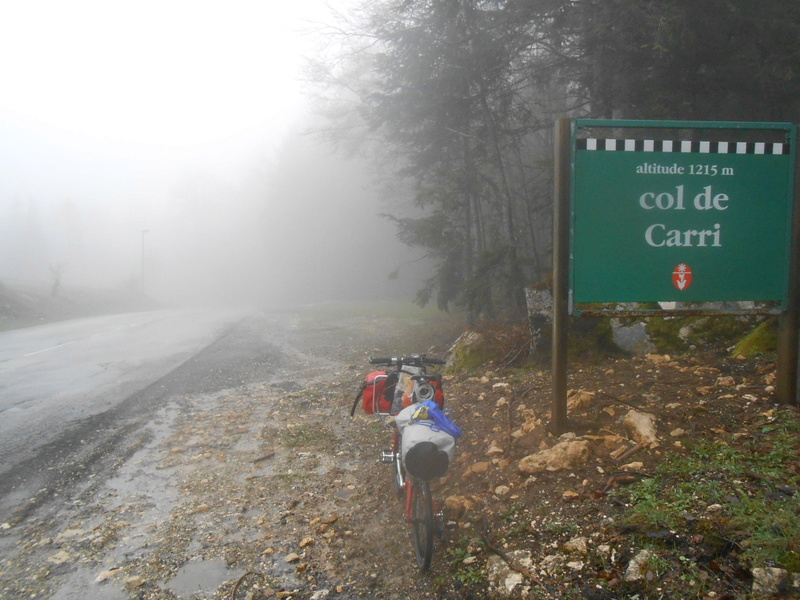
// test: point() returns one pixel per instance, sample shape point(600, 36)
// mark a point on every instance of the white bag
point(426, 451)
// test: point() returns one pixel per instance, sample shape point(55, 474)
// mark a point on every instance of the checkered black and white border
point(682, 146)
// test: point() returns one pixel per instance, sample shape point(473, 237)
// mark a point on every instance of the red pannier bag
point(375, 395)
point(438, 393)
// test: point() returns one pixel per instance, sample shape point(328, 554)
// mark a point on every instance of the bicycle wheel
point(422, 522)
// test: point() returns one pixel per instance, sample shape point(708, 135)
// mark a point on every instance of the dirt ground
point(274, 491)
point(567, 532)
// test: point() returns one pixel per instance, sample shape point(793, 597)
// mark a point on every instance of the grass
point(464, 573)
point(395, 309)
point(741, 493)
point(385, 327)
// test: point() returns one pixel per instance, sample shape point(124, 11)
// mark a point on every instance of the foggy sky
point(162, 138)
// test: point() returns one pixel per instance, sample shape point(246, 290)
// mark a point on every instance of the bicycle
point(386, 394)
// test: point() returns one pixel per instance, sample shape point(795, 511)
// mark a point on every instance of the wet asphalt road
point(49, 444)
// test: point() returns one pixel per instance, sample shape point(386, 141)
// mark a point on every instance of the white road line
point(48, 349)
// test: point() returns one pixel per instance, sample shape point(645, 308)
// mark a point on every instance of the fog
point(160, 147)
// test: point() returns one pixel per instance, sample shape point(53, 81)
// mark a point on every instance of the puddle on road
point(200, 576)
point(81, 585)
point(143, 489)
point(345, 493)
point(197, 579)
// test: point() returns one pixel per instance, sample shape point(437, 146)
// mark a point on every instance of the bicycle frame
point(425, 518)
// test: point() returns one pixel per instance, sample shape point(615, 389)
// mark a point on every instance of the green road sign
point(690, 212)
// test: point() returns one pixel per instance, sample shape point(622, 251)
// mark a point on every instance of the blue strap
point(441, 420)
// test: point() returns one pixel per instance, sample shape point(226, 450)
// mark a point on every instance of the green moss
point(469, 353)
point(762, 340)
point(664, 334)
point(470, 362)
point(679, 334)
point(592, 335)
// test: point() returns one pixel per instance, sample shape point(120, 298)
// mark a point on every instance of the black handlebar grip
point(435, 361)
point(379, 361)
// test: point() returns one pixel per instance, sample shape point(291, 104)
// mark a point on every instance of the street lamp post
point(143, 232)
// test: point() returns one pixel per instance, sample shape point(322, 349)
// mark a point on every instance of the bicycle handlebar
point(414, 359)
point(380, 361)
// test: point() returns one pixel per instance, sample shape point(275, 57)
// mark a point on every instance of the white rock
point(105, 575)
point(551, 564)
point(502, 577)
point(637, 568)
point(578, 545)
point(642, 426)
point(564, 455)
point(494, 449)
point(767, 580)
point(579, 400)
point(134, 582)
point(633, 466)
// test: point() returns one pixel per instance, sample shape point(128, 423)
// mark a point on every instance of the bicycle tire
point(422, 522)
